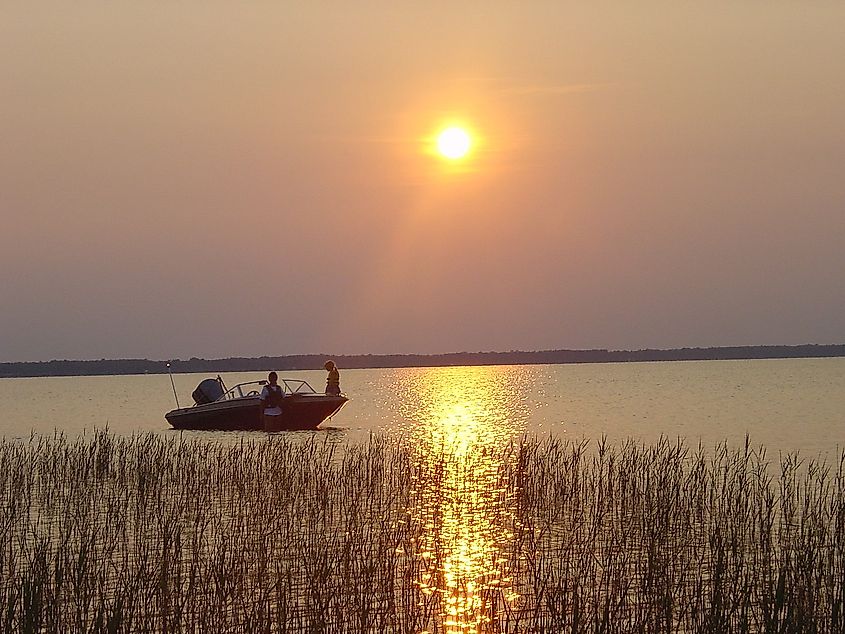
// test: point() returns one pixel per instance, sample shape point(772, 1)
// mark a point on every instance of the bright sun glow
point(454, 143)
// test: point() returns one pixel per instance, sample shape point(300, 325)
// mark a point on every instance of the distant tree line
point(315, 361)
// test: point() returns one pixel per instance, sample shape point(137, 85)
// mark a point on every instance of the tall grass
point(153, 534)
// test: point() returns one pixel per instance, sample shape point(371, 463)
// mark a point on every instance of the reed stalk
point(275, 534)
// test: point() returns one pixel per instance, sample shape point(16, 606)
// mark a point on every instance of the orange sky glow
point(210, 179)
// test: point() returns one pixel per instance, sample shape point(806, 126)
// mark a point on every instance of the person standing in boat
point(333, 379)
point(271, 401)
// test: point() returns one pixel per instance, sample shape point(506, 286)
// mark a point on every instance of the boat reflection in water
point(465, 424)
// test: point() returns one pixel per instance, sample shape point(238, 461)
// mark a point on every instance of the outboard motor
point(208, 391)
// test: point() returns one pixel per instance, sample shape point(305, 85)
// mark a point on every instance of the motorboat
point(239, 408)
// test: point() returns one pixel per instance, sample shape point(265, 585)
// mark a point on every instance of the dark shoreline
point(20, 369)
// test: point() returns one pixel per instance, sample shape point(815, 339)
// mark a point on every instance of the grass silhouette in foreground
point(155, 534)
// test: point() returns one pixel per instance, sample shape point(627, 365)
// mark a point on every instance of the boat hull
point(299, 411)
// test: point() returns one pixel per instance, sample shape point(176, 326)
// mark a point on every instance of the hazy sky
point(212, 179)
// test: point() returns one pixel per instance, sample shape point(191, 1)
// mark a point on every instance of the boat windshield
point(295, 386)
point(253, 388)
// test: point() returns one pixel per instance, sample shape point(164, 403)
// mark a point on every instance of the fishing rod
point(173, 385)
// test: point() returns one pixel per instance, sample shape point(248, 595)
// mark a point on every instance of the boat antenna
point(173, 385)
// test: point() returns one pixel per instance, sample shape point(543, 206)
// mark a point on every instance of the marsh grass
point(153, 534)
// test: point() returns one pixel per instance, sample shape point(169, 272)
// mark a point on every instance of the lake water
point(458, 424)
point(788, 405)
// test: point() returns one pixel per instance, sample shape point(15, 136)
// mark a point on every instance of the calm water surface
point(460, 422)
point(786, 404)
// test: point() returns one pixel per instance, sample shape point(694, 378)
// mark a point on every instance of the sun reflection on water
point(464, 421)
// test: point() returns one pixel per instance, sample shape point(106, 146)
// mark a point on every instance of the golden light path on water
point(465, 423)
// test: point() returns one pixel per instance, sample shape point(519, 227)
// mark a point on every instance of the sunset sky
point(209, 179)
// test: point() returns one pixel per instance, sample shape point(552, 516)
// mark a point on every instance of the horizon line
point(560, 356)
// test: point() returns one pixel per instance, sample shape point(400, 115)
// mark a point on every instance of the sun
point(454, 143)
